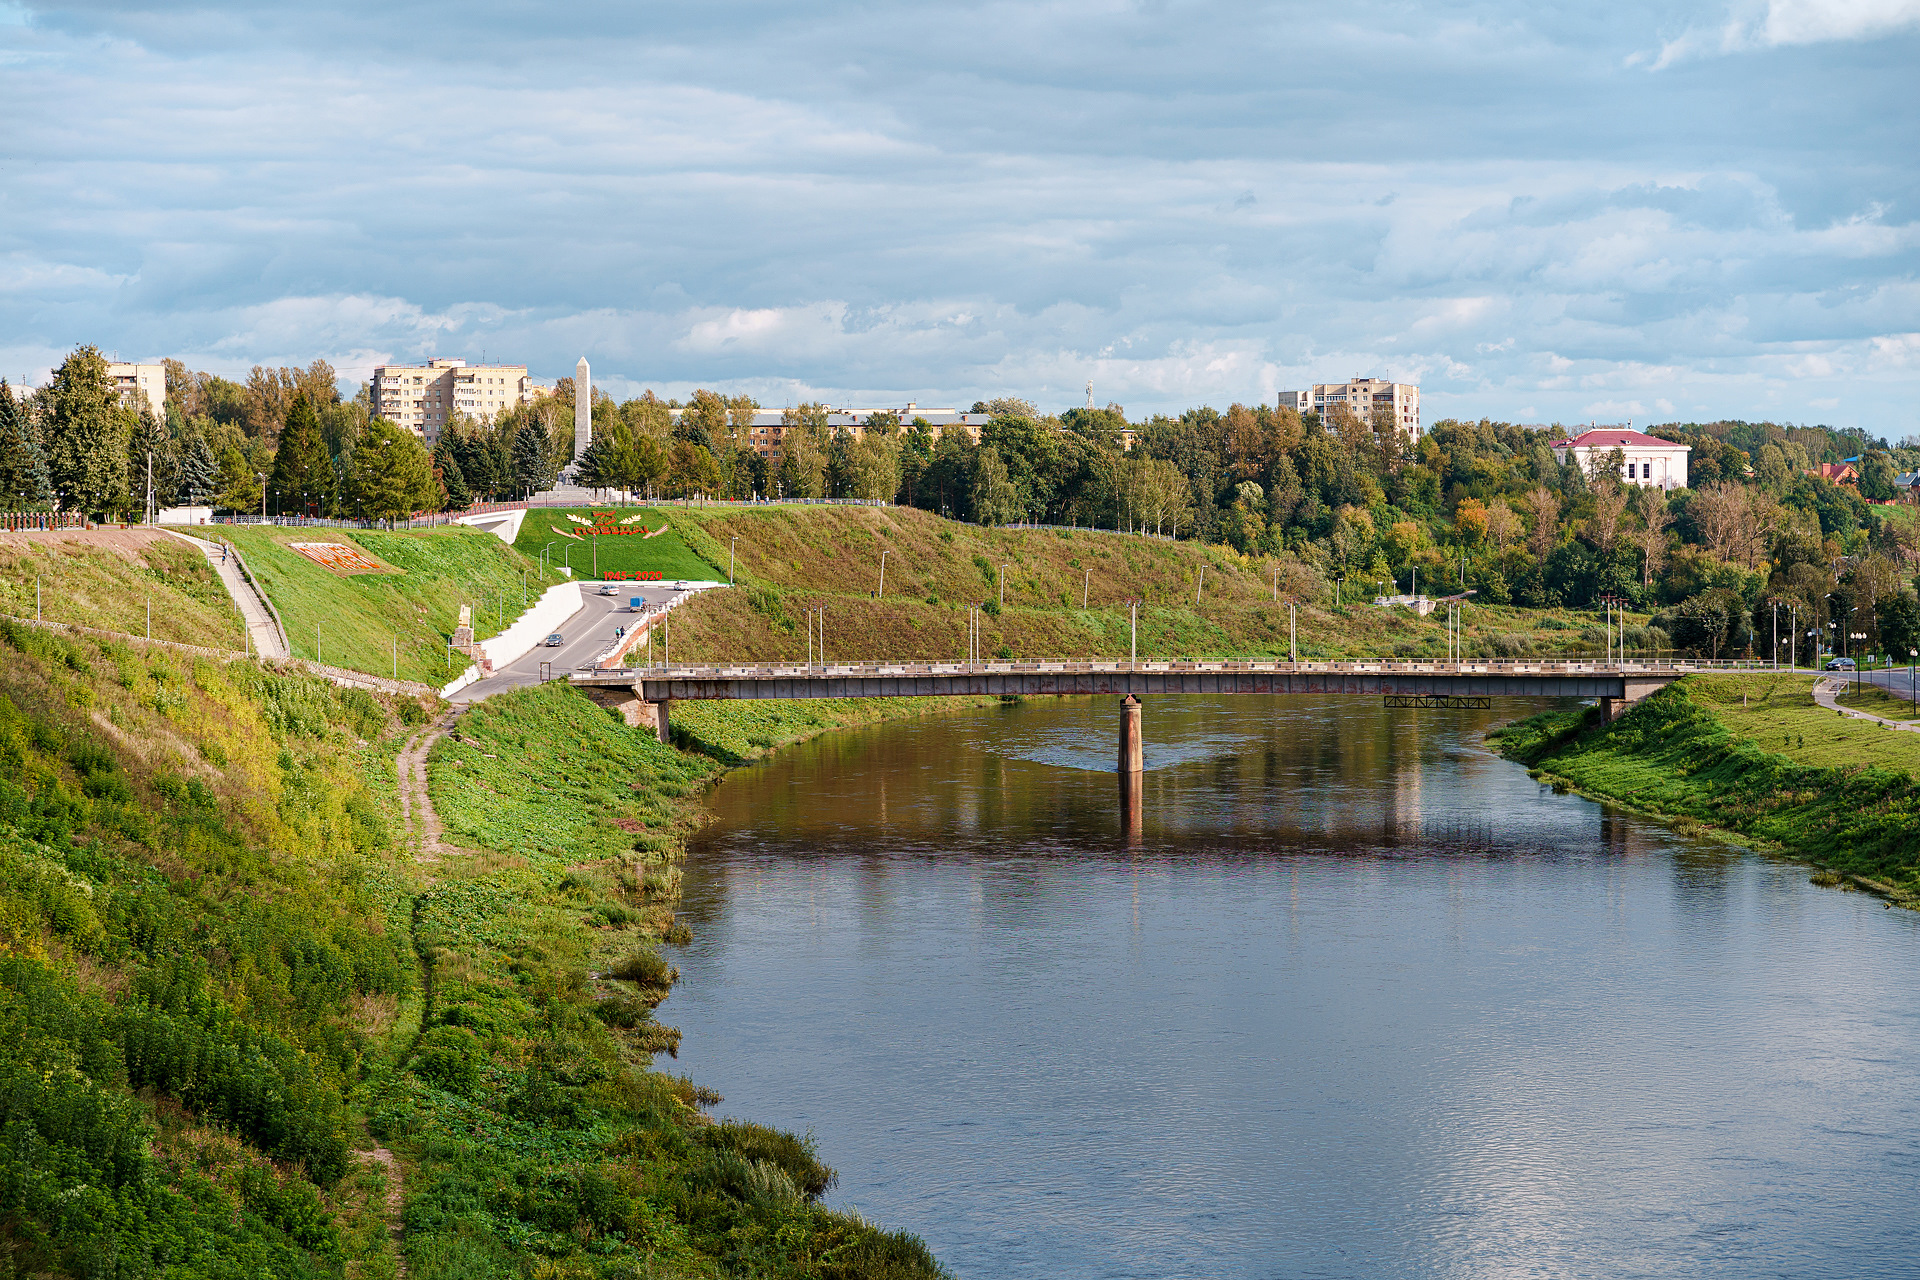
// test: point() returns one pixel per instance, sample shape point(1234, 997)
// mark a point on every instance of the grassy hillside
point(107, 577)
point(201, 945)
point(1778, 771)
point(665, 553)
point(791, 559)
point(234, 1005)
point(361, 617)
point(541, 1131)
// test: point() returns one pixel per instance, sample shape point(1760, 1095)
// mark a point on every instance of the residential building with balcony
point(140, 386)
point(1365, 397)
point(423, 397)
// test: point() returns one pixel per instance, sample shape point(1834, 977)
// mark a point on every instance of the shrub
point(449, 1058)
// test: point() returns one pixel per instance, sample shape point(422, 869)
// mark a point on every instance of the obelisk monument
point(582, 408)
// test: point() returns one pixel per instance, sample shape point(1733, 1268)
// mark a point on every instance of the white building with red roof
point(1649, 459)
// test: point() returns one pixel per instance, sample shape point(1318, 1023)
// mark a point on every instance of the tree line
point(1483, 506)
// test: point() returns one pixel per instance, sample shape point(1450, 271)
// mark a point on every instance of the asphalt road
point(588, 631)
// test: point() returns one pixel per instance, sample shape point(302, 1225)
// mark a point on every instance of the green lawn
point(666, 554)
point(361, 617)
point(106, 578)
point(1780, 715)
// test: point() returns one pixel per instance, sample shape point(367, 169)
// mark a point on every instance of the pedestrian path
point(262, 626)
point(1825, 692)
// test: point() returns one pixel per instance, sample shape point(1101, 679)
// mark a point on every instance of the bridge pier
point(653, 715)
point(1132, 757)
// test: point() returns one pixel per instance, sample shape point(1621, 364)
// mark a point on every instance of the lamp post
point(1086, 580)
point(261, 476)
point(1003, 586)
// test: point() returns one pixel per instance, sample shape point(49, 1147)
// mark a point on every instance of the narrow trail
point(395, 1198)
point(416, 805)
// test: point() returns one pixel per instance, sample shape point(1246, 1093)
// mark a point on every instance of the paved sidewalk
point(261, 624)
point(1825, 691)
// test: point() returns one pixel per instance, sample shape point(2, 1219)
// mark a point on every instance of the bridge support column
point(1132, 758)
point(653, 715)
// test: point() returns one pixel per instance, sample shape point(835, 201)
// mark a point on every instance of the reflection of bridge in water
point(645, 695)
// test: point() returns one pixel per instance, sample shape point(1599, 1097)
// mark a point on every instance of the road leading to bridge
point(589, 631)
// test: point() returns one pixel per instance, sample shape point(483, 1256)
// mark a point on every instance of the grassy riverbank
point(1750, 756)
point(248, 1027)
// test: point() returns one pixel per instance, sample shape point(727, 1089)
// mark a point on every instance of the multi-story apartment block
point(1364, 397)
point(140, 385)
point(422, 397)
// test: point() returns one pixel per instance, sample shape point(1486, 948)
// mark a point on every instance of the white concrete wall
point(504, 525)
point(554, 607)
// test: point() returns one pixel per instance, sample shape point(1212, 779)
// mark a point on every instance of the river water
point(1357, 998)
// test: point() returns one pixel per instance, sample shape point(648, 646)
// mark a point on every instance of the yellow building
point(421, 397)
point(140, 385)
point(1363, 396)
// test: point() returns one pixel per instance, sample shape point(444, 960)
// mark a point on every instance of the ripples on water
point(1359, 999)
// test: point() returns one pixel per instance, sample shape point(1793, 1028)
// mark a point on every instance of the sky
point(1539, 212)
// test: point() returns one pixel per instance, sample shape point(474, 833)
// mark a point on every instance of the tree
point(24, 485)
point(391, 475)
point(704, 420)
point(1011, 406)
point(1546, 522)
point(303, 476)
point(85, 430)
point(452, 480)
point(1609, 504)
point(1502, 525)
point(237, 486)
point(1655, 516)
point(1899, 618)
point(995, 501)
point(531, 461)
point(692, 471)
point(1470, 521)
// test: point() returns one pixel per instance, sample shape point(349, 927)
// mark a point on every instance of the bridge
point(645, 694)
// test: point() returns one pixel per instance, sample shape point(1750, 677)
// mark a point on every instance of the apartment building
point(1364, 397)
point(140, 385)
point(422, 397)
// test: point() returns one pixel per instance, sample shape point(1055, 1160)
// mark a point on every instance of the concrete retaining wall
point(555, 606)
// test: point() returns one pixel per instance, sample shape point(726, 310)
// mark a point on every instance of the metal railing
point(1157, 666)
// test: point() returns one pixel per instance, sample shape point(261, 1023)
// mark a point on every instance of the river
point(1358, 998)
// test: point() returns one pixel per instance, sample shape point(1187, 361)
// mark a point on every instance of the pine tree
point(84, 433)
point(454, 480)
point(303, 480)
point(530, 459)
point(23, 471)
point(197, 469)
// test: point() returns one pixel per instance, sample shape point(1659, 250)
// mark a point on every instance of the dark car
point(1840, 664)
point(555, 640)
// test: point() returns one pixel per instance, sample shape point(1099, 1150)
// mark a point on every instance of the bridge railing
point(1069, 666)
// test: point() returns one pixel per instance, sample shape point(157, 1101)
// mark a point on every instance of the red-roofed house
point(1838, 472)
point(1649, 459)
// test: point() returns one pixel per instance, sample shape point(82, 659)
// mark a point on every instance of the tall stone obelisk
point(582, 408)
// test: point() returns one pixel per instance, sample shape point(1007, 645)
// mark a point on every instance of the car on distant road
point(555, 640)
point(1840, 664)
point(608, 589)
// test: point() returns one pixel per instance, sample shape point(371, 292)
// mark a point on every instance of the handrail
point(1197, 666)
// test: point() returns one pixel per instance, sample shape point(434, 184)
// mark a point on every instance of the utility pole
point(1198, 585)
point(1133, 632)
point(1003, 586)
point(736, 537)
point(1293, 634)
point(1085, 579)
point(1276, 582)
point(883, 574)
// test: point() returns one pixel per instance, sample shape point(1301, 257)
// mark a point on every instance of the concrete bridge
point(645, 694)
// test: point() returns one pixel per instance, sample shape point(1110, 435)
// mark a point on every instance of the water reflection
point(1350, 997)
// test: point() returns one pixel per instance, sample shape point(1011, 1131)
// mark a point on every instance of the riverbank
point(1751, 758)
point(532, 1109)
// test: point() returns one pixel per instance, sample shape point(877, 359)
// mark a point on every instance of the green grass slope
point(201, 944)
point(541, 1131)
point(362, 617)
point(106, 578)
point(545, 531)
point(1777, 771)
point(791, 559)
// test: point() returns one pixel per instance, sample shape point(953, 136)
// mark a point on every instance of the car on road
point(1840, 664)
point(555, 640)
point(608, 589)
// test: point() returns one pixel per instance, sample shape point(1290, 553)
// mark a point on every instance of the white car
point(608, 589)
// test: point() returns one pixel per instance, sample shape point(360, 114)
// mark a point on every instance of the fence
point(19, 520)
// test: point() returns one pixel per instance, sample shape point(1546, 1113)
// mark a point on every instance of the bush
point(757, 1144)
point(647, 968)
point(449, 1058)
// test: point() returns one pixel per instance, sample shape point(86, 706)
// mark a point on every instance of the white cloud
point(1788, 22)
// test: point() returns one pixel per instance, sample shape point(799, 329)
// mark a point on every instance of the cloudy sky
point(1539, 212)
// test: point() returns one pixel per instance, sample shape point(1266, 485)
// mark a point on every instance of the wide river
point(1356, 998)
